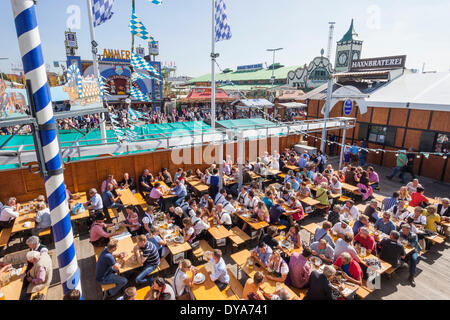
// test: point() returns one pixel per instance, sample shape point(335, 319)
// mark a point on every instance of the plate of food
point(316, 261)
point(179, 239)
point(199, 278)
point(286, 243)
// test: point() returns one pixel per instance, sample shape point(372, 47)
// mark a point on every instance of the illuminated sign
point(116, 55)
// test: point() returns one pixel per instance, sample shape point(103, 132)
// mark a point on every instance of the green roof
point(350, 35)
point(262, 74)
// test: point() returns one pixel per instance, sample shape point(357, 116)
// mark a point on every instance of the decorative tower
point(347, 50)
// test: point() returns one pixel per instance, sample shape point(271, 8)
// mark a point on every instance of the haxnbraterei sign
point(381, 63)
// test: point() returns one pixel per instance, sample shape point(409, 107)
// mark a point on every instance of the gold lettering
point(128, 54)
point(117, 54)
point(121, 54)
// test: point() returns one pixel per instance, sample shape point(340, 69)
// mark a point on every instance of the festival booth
point(201, 97)
point(250, 108)
point(286, 105)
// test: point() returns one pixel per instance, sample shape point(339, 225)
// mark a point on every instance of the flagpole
point(213, 95)
point(95, 65)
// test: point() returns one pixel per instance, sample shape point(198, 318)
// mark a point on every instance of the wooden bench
point(163, 265)
point(45, 232)
point(202, 248)
point(106, 287)
point(320, 206)
point(363, 291)
point(235, 285)
point(5, 234)
point(141, 199)
point(42, 291)
point(238, 236)
point(438, 239)
point(301, 293)
point(113, 213)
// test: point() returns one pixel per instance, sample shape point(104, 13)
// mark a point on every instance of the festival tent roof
point(290, 105)
point(253, 103)
point(425, 91)
point(204, 95)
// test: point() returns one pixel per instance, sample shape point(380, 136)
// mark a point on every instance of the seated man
point(107, 267)
point(128, 182)
point(165, 176)
point(269, 239)
point(349, 210)
point(385, 224)
point(220, 274)
point(200, 224)
point(399, 210)
point(391, 201)
point(363, 221)
point(341, 228)
point(276, 212)
point(345, 245)
point(300, 268)
point(223, 217)
point(323, 250)
point(372, 211)
point(262, 254)
point(352, 271)
point(319, 284)
point(335, 185)
point(391, 250)
point(98, 235)
point(8, 213)
point(146, 254)
point(413, 185)
point(204, 200)
point(109, 179)
point(252, 287)
point(145, 182)
point(323, 233)
point(95, 203)
point(180, 191)
point(109, 201)
point(366, 240)
point(40, 274)
point(412, 240)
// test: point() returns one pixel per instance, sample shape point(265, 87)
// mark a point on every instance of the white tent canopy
point(254, 103)
point(290, 105)
point(425, 91)
point(349, 92)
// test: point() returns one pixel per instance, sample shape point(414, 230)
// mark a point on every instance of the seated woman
point(304, 190)
point(261, 212)
point(132, 221)
point(188, 231)
point(277, 268)
point(294, 235)
point(363, 186)
point(373, 178)
point(199, 174)
point(352, 271)
point(295, 209)
point(322, 194)
point(403, 194)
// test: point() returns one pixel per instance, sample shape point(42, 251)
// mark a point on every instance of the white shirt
point(219, 199)
point(225, 218)
point(229, 208)
point(8, 213)
point(338, 186)
point(420, 220)
point(243, 197)
point(199, 224)
point(253, 202)
point(411, 188)
point(179, 279)
point(442, 210)
point(354, 213)
point(339, 230)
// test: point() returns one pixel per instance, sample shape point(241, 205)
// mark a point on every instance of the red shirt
point(368, 243)
point(354, 269)
point(416, 199)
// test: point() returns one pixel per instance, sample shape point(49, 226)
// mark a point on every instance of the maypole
point(41, 106)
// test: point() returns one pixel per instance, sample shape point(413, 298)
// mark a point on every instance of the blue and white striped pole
point(34, 69)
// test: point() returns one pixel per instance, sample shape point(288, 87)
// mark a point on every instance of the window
point(377, 134)
point(426, 141)
point(381, 135)
point(442, 143)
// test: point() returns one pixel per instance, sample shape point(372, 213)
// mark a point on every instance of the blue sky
point(419, 29)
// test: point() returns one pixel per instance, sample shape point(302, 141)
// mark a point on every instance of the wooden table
point(268, 286)
point(384, 265)
point(23, 217)
point(207, 290)
point(309, 201)
point(13, 289)
point(270, 172)
point(82, 199)
point(167, 194)
point(349, 187)
point(253, 175)
point(293, 168)
point(127, 197)
point(254, 225)
point(311, 228)
point(197, 185)
point(219, 232)
point(125, 244)
point(378, 197)
point(285, 250)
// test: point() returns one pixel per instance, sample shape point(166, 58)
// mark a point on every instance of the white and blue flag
point(223, 31)
point(101, 11)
